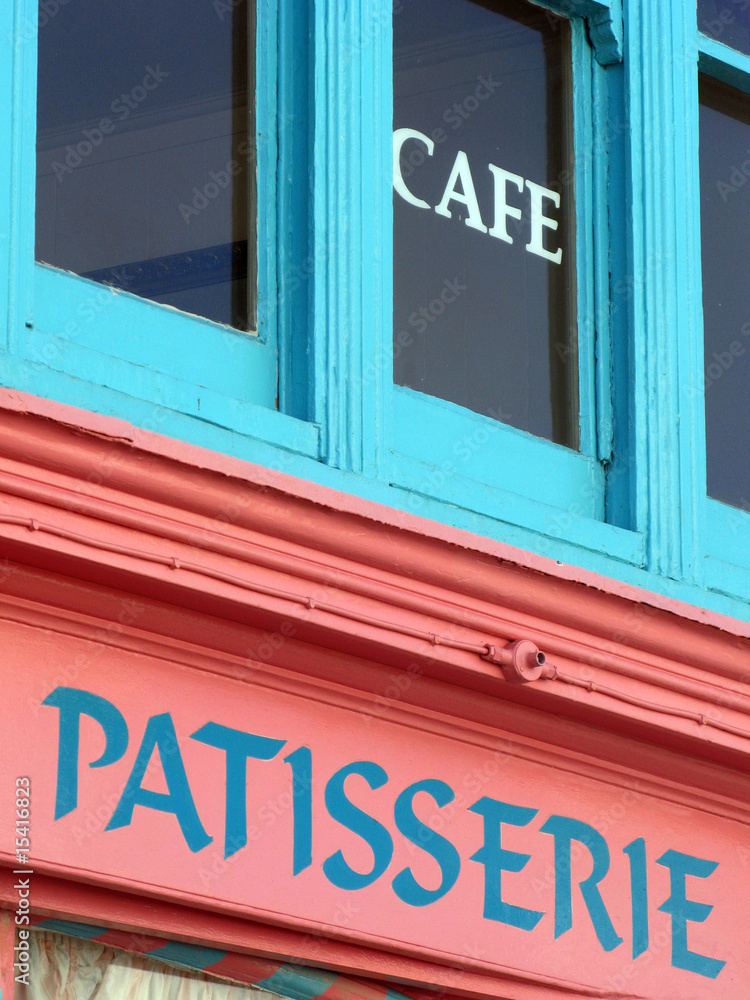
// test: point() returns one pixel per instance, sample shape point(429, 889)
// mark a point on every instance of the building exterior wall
point(450, 811)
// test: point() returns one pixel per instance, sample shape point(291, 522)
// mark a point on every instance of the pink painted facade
point(181, 629)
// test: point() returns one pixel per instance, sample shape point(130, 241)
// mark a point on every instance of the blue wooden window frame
point(69, 337)
point(443, 450)
point(726, 529)
point(327, 104)
point(433, 433)
point(646, 302)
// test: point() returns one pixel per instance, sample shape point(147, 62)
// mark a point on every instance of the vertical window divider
point(722, 560)
point(265, 143)
point(10, 50)
point(351, 208)
point(294, 255)
point(585, 188)
point(19, 30)
point(380, 439)
point(660, 280)
point(602, 366)
point(688, 319)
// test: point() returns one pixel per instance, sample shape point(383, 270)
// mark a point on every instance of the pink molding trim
point(114, 506)
point(54, 897)
point(113, 431)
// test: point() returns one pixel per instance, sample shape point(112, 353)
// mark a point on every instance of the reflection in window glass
point(484, 258)
point(725, 239)
point(727, 21)
point(145, 173)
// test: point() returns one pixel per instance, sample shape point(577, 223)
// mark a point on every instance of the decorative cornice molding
point(522, 662)
point(124, 508)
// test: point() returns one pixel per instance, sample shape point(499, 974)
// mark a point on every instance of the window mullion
point(586, 180)
point(607, 140)
point(663, 247)
point(689, 324)
point(18, 24)
point(7, 119)
point(294, 259)
point(351, 212)
point(721, 106)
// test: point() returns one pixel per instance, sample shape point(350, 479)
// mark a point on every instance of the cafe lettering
point(484, 193)
point(460, 188)
point(243, 753)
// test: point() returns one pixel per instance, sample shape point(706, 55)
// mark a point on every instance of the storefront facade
point(356, 683)
point(238, 736)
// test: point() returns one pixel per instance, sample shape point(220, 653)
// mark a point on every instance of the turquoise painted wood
point(589, 157)
point(631, 505)
point(7, 47)
point(351, 205)
point(613, 552)
point(727, 533)
point(604, 24)
point(599, 368)
point(268, 111)
point(540, 520)
point(295, 262)
point(616, 387)
point(724, 63)
point(688, 315)
point(141, 333)
point(653, 261)
point(485, 451)
point(725, 530)
point(726, 577)
point(20, 107)
point(72, 315)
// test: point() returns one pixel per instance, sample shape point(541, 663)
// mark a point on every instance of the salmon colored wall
point(177, 587)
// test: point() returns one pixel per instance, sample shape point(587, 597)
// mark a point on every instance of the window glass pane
point(484, 259)
point(727, 21)
point(725, 238)
point(145, 175)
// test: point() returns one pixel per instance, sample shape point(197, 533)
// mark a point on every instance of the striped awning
point(298, 982)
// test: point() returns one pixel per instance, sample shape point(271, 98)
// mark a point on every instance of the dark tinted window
point(484, 258)
point(727, 21)
point(725, 237)
point(145, 173)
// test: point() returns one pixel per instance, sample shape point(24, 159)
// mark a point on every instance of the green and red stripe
point(297, 982)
